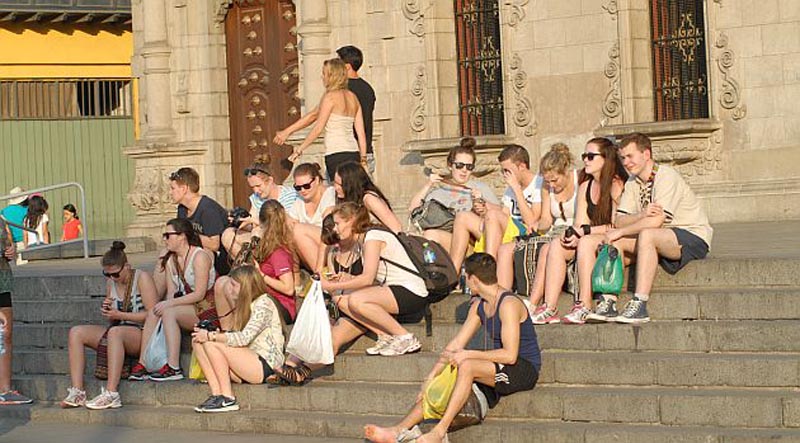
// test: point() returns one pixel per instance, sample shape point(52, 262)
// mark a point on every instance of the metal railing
point(66, 98)
point(85, 239)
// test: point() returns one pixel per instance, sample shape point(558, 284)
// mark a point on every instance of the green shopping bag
point(607, 273)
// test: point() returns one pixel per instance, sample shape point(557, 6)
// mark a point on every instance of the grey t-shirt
point(460, 199)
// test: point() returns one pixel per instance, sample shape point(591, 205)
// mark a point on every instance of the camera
point(208, 325)
point(570, 232)
point(236, 215)
point(178, 294)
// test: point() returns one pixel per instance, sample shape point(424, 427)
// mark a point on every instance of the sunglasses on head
point(249, 172)
point(112, 274)
point(175, 176)
point(462, 165)
point(167, 235)
point(590, 155)
point(305, 186)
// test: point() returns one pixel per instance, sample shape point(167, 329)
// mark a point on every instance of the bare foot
point(434, 436)
point(378, 434)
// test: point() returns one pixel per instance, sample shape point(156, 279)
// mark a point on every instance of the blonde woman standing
point(338, 113)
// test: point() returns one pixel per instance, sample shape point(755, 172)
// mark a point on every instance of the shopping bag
point(437, 394)
point(310, 339)
point(195, 372)
point(155, 353)
point(607, 273)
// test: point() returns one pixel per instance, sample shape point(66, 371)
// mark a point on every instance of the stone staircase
point(720, 363)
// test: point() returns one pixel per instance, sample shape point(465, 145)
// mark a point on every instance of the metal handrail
point(83, 212)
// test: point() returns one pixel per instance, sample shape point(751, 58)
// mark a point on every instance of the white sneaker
point(401, 344)
point(383, 341)
point(106, 400)
point(75, 398)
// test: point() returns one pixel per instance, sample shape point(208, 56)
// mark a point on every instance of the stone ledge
point(661, 129)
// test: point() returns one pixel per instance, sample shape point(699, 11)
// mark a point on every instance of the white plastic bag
point(155, 353)
point(311, 335)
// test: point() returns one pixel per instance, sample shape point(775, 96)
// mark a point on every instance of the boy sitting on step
point(659, 221)
point(511, 364)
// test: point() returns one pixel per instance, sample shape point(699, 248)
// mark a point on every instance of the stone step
point(348, 426)
point(728, 407)
point(74, 249)
point(60, 310)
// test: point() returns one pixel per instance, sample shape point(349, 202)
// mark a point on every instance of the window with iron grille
point(56, 99)
point(680, 76)
point(480, 73)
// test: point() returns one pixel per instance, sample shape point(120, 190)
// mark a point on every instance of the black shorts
point(5, 299)
point(692, 248)
point(332, 162)
point(510, 379)
point(407, 301)
point(266, 368)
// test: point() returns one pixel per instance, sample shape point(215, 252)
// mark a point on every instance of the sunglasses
point(461, 165)
point(112, 274)
point(167, 235)
point(175, 176)
point(590, 155)
point(249, 172)
point(306, 186)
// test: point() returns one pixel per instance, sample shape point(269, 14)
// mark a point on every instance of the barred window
point(680, 77)
point(52, 99)
point(480, 73)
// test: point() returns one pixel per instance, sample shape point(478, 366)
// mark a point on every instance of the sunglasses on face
point(461, 165)
point(112, 274)
point(306, 186)
point(167, 235)
point(590, 155)
point(249, 172)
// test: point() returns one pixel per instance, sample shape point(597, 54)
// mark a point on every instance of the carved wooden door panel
point(262, 84)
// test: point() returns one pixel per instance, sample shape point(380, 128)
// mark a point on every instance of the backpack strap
point(394, 263)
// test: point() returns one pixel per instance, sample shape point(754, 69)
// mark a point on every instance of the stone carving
point(730, 98)
point(221, 10)
point(693, 158)
point(523, 114)
point(150, 190)
point(412, 10)
point(612, 8)
point(517, 12)
point(418, 92)
point(612, 105)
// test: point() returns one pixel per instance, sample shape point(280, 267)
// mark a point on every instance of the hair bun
point(468, 142)
point(118, 245)
point(560, 148)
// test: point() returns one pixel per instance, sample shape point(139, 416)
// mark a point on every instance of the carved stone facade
point(571, 69)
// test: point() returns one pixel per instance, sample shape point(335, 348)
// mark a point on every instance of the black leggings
point(332, 162)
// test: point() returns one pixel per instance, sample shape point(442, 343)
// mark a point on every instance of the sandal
point(294, 375)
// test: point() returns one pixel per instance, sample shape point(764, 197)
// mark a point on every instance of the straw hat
point(17, 200)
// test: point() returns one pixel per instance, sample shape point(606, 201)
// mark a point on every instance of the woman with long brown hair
point(250, 347)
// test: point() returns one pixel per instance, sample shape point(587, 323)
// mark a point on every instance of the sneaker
point(576, 316)
point(75, 398)
point(222, 404)
point(139, 373)
point(12, 397)
point(383, 341)
point(401, 344)
point(635, 312)
point(106, 400)
point(543, 315)
point(167, 373)
point(606, 310)
point(209, 402)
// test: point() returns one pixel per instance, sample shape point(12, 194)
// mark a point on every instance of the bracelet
point(587, 229)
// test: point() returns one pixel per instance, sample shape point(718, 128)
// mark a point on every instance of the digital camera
point(208, 325)
point(236, 215)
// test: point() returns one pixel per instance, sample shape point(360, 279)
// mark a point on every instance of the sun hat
point(17, 200)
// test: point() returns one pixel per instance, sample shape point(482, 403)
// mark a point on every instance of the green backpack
point(607, 273)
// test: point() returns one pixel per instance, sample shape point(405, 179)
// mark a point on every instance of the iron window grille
point(59, 99)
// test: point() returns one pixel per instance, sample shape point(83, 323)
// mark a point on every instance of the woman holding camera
point(460, 193)
point(250, 349)
point(596, 199)
point(129, 294)
point(190, 279)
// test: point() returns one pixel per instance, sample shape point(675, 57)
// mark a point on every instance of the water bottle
point(428, 254)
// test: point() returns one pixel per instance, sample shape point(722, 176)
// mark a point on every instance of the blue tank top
point(528, 343)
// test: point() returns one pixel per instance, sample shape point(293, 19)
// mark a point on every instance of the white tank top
point(567, 217)
point(339, 135)
point(137, 305)
point(188, 273)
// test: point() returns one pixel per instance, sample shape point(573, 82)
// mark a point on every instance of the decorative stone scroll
point(517, 12)
point(730, 97)
point(418, 92)
point(412, 10)
point(524, 113)
point(612, 105)
point(612, 8)
point(221, 10)
point(150, 191)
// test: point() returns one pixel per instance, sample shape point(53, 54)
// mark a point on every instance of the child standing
point(38, 221)
point(72, 228)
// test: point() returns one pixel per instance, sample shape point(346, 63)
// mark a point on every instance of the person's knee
point(467, 367)
point(647, 237)
point(76, 333)
point(115, 335)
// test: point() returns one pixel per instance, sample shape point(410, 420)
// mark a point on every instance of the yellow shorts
point(513, 230)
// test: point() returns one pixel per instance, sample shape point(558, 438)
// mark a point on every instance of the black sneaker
point(606, 311)
point(209, 402)
point(167, 373)
point(635, 312)
point(138, 373)
point(222, 404)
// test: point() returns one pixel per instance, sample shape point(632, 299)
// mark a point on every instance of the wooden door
point(262, 85)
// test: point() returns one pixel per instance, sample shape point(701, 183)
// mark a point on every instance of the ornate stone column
point(156, 55)
point(314, 32)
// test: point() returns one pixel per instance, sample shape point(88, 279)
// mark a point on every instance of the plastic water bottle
point(428, 254)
